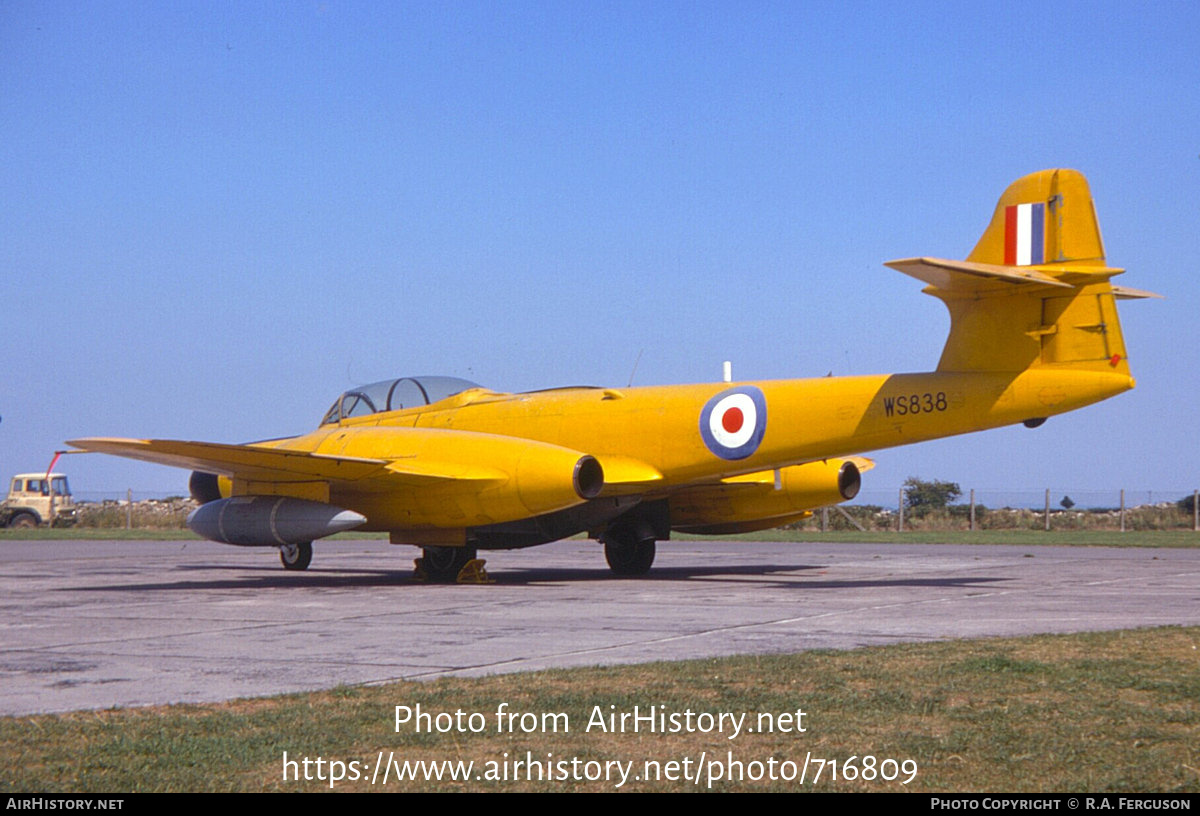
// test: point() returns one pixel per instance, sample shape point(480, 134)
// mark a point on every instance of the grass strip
point(1098, 712)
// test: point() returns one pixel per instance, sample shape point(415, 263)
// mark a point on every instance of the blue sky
point(214, 217)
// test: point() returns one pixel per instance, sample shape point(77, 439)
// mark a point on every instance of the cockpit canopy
point(395, 395)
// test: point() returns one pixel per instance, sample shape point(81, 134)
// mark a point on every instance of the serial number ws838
point(906, 404)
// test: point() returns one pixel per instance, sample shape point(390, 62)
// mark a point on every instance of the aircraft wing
point(262, 463)
point(256, 462)
point(411, 478)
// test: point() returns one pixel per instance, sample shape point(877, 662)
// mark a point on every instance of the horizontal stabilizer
point(1036, 290)
point(1126, 293)
point(951, 275)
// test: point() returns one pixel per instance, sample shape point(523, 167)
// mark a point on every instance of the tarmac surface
point(96, 624)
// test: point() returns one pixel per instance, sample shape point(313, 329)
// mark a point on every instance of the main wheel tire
point(24, 520)
point(296, 556)
point(442, 564)
point(627, 555)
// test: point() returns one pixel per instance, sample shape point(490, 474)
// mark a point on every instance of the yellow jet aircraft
point(452, 467)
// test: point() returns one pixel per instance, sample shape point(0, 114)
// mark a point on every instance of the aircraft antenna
point(635, 365)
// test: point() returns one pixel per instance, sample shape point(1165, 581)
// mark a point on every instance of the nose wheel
point(441, 565)
point(296, 556)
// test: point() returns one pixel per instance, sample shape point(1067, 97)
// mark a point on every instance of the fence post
point(900, 526)
point(824, 519)
point(129, 509)
point(1047, 509)
point(1195, 512)
point(972, 509)
point(1122, 509)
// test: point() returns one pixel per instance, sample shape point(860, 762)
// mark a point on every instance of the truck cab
point(35, 499)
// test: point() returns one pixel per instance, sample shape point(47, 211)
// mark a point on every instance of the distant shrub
point(963, 511)
point(922, 497)
point(165, 514)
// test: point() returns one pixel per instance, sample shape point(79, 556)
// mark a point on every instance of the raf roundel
point(733, 422)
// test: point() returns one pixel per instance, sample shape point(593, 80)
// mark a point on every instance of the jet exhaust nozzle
point(269, 521)
point(849, 480)
point(588, 478)
point(204, 487)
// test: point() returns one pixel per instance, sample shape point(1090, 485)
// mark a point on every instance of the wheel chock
point(419, 573)
point(474, 573)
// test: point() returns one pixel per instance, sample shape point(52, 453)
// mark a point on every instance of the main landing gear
point(629, 548)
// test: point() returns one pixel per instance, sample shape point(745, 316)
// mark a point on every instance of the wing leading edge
point(251, 462)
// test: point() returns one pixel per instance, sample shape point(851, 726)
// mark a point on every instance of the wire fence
point(129, 494)
point(1028, 498)
point(876, 509)
point(1005, 508)
point(1061, 498)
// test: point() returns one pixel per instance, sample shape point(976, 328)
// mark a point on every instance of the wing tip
point(93, 442)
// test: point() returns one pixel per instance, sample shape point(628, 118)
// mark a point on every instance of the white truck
point(35, 499)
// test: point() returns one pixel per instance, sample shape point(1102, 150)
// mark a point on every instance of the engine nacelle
point(269, 521)
point(428, 479)
point(462, 479)
point(759, 501)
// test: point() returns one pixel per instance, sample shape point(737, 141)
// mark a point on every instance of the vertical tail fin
point(1043, 218)
point(1035, 290)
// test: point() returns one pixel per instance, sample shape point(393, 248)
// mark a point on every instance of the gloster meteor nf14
point(452, 467)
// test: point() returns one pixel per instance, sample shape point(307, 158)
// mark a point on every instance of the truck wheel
point(24, 520)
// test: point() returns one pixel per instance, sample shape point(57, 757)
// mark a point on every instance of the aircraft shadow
point(242, 577)
point(738, 575)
